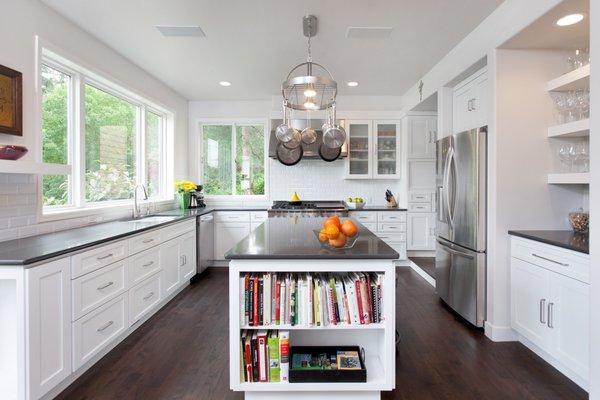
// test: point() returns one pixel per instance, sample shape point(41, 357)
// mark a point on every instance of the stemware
point(563, 156)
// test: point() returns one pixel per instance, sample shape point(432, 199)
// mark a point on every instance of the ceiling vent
point(369, 32)
point(193, 30)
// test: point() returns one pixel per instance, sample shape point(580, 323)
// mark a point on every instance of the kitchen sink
point(153, 219)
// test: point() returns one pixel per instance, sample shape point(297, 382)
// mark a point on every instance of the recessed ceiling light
point(569, 19)
point(172, 30)
point(225, 83)
point(352, 84)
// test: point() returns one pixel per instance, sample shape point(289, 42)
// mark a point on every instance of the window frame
point(80, 77)
point(200, 155)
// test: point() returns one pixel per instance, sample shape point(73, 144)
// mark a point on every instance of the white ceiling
point(253, 44)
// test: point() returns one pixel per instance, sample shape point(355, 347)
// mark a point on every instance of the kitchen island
point(284, 247)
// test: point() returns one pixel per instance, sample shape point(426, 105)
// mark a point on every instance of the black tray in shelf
point(327, 375)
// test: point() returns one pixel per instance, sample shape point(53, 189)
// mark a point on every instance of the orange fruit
point(331, 231)
point(340, 241)
point(334, 220)
point(349, 228)
point(323, 236)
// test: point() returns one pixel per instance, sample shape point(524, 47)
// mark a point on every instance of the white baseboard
point(499, 333)
point(423, 274)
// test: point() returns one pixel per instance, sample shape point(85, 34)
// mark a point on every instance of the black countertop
point(293, 238)
point(377, 208)
point(566, 239)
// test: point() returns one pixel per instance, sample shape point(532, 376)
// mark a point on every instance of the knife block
point(392, 203)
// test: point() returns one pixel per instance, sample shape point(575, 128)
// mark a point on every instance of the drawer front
point(391, 216)
point(389, 227)
point(96, 288)
point(396, 242)
point(143, 297)
point(233, 216)
point(420, 197)
point(419, 207)
point(562, 261)
point(372, 226)
point(392, 237)
point(178, 229)
point(95, 331)
point(258, 216)
point(92, 260)
point(144, 242)
point(364, 216)
point(143, 265)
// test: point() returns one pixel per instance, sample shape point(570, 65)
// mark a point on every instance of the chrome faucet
point(137, 212)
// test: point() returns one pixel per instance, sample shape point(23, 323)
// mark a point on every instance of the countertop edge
point(530, 236)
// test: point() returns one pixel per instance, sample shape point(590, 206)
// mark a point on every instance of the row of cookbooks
point(311, 299)
point(265, 356)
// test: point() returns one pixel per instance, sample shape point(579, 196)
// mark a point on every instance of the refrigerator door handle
point(453, 173)
point(455, 252)
point(446, 186)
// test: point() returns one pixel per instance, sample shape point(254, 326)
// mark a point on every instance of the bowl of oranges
point(337, 234)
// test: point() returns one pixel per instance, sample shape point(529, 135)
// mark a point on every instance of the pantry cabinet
point(374, 149)
point(421, 136)
point(420, 229)
point(469, 105)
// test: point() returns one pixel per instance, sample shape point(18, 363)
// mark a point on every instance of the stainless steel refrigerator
point(460, 260)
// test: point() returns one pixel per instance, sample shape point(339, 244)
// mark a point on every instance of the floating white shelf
point(29, 167)
point(579, 128)
point(329, 327)
point(580, 178)
point(577, 79)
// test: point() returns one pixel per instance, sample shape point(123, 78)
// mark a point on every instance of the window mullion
point(78, 171)
point(233, 165)
point(141, 147)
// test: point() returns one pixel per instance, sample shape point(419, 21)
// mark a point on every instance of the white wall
point(20, 22)
point(312, 179)
point(595, 204)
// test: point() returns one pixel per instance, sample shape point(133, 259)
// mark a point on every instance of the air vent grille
point(369, 32)
point(168, 30)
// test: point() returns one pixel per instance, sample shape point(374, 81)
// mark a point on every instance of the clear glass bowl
point(349, 242)
point(580, 221)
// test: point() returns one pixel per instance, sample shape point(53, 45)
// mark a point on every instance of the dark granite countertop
point(293, 238)
point(565, 239)
point(377, 208)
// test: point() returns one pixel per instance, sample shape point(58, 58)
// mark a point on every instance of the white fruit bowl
point(355, 206)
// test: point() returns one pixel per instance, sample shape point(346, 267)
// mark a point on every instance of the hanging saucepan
point(329, 154)
point(334, 136)
point(295, 141)
point(309, 135)
point(287, 156)
point(284, 132)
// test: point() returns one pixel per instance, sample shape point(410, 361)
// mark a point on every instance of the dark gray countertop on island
point(293, 238)
point(566, 239)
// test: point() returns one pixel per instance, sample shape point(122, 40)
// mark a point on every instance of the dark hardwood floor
point(182, 353)
point(427, 264)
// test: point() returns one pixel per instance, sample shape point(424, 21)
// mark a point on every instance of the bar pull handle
point(148, 264)
point(107, 284)
point(103, 328)
point(550, 260)
point(105, 257)
point(551, 315)
point(542, 310)
point(146, 297)
point(148, 240)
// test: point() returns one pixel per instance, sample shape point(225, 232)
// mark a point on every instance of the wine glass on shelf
point(563, 156)
point(582, 157)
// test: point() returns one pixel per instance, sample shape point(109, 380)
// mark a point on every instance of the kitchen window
point(233, 161)
point(112, 138)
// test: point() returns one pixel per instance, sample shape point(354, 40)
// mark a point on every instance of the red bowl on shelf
point(12, 152)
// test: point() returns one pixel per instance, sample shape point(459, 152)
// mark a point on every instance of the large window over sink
point(233, 159)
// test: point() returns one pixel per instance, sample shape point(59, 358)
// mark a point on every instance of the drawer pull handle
point(107, 284)
point(542, 310)
point(146, 297)
point(148, 264)
point(103, 328)
point(550, 260)
point(551, 315)
point(105, 257)
point(148, 241)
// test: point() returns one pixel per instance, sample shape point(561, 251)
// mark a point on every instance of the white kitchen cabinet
point(257, 218)
point(187, 256)
point(48, 313)
point(420, 229)
point(421, 134)
point(359, 164)
point(469, 105)
point(421, 175)
point(550, 305)
point(386, 150)
point(389, 226)
point(170, 262)
point(143, 297)
point(227, 235)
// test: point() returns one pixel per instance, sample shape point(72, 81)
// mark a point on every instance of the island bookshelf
point(377, 339)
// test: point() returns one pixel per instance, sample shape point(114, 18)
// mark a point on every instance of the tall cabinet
point(421, 133)
point(373, 149)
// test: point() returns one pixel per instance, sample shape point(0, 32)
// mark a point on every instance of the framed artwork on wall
point(11, 101)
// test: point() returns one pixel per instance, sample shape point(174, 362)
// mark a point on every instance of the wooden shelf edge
point(579, 128)
point(29, 167)
point(582, 178)
point(568, 80)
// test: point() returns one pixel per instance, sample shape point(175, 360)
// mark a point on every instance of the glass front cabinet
point(373, 149)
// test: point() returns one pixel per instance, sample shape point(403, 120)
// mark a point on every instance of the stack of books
point(265, 356)
point(311, 299)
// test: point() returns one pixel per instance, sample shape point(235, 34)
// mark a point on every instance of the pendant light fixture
point(309, 87)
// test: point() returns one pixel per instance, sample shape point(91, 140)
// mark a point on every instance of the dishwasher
point(205, 242)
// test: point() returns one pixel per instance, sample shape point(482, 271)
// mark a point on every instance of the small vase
point(184, 200)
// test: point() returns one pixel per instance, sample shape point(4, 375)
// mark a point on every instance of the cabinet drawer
point(392, 237)
point(372, 226)
point(419, 207)
point(143, 297)
point(95, 331)
point(96, 288)
point(92, 260)
point(233, 216)
point(258, 216)
point(391, 227)
point(364, 216)
point(144, 241)
point(562, 261)
point(143, 265)
point(391, 216)
point(420, 198)
point(178, 229)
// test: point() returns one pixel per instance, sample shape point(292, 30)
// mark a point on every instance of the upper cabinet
point(421, 134)
point(373, 149)
point(469, 106)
